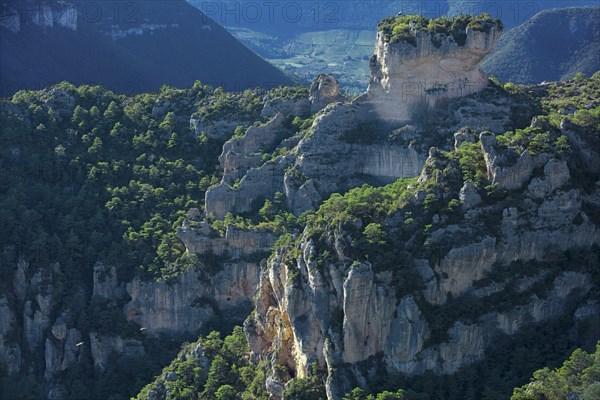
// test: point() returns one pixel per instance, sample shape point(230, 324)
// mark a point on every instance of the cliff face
point(406, 79)
point(345, 313)
point(43, 330)
point(192, 301)
point(222, 287)
point(345, 146)
point(311, 163)
point(350, 140)
point(207, 293)
point(310, 171)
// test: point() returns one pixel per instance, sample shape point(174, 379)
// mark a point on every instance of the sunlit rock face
point(407, 79)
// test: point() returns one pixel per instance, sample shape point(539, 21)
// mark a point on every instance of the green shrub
point(577, 378)
point(374, 234)
point(230, 375)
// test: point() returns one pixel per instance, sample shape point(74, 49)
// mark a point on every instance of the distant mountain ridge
point(135, 47)
point(308, 38)
point(554, 45)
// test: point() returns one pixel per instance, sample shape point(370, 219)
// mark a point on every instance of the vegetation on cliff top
point(404, 28)
point(389, 223)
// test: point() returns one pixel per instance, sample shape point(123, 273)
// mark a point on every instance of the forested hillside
point(91, 176)
point(554, 45)
point(445, 252)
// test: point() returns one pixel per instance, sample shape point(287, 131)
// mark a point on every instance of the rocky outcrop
point(219, 129)
point(334, 156)
point(63, 350)
point(300, 107)
point(106, 284)
point(324, 90)
point(257, 185)
point(47, 330)
point(321, 163)
point(468, 196)
point(221, 288)
point(102, 347)
point(462, 136)
point(235, 245)
point(37, 311)
point(343, 314)
point(241, 154)
point(195, 298)
point(247, 178)
point(501, 171)
point(10, 356)
point(556, 175)
point(297, 325)
point(407, 79)
point(467, 342)
point(60, 101)
point(589, 152)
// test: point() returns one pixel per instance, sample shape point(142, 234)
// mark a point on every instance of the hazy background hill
point(127, 46)
point(553, 45)
point(136, 46)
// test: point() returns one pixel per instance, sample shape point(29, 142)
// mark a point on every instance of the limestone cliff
point(52, 333)
point(407, 78)
point(345, 146)
point(311, 163)
point(192, 301)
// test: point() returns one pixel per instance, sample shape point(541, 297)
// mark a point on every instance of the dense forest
point(89, 175)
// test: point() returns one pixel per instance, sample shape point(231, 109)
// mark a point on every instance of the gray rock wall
point(342, 314)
